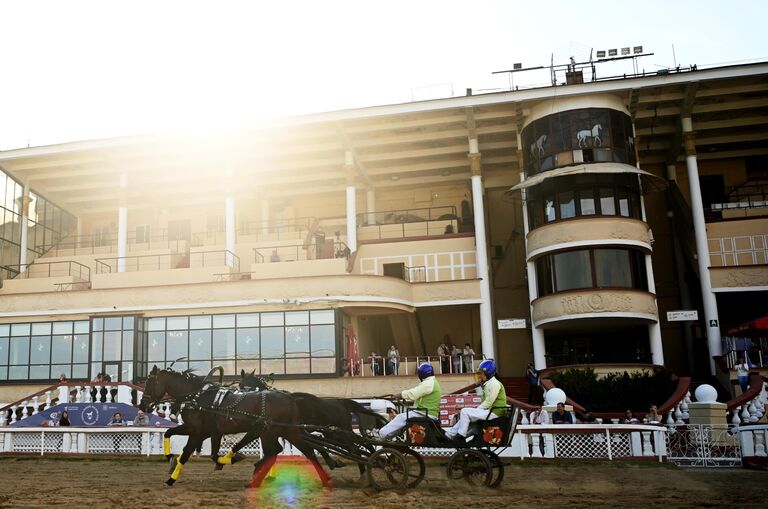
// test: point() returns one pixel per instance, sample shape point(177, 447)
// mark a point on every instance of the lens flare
point(292, 482)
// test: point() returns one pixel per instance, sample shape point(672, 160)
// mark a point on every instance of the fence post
point(42, 443)
point(608, 444)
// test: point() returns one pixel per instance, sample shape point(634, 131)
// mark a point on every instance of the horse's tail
point(367, 419)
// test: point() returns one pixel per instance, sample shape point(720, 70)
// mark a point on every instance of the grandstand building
point(558, 225)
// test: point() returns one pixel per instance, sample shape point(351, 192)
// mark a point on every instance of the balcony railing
point(49, 269)
point(425, 222)
point(168, 261)
point(406, 366)
point(300, 252)
point(92, 244)
point(408, 215)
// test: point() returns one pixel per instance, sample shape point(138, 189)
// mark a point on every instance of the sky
point(79, 70)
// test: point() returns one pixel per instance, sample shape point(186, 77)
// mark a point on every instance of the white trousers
point(396, 425)
point(466, 417)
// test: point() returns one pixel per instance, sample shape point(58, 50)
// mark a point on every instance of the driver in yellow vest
point(494, 396)
point(425, 396)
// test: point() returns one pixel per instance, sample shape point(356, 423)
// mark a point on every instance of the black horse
point(268, 415)
point(334, 415)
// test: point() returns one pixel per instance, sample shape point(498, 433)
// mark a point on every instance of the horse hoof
point(218, 466)
point(170, 482)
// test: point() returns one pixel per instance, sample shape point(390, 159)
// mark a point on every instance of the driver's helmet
point(424, 370)
point(488, 367)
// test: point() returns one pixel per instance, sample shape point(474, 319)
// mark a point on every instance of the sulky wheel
point(498, 469)
point(416, 468)
point(471, 465)
point(387, 469)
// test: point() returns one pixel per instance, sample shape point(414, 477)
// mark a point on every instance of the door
point(113, 369)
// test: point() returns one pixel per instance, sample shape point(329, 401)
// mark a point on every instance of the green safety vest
point(431, 401)
point(501, 399)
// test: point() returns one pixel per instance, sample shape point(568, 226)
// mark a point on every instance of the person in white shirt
point(539, 416)
point(742, 369)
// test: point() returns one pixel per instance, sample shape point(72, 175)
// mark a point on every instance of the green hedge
point(615, 392)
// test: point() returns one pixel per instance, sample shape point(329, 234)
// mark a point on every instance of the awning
point(651, 183)
point(761, 324)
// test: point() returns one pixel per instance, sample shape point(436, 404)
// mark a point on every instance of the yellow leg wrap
point(166, 446)
point(226, 459)
point(177, 471)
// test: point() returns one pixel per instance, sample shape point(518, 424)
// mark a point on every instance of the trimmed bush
point(615, 392)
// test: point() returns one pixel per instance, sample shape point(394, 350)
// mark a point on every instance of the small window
point(549, 208)
point(567, 205)
point(587, 202)
point(607, 204)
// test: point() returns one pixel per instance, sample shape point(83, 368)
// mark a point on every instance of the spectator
point(742, 369)
point(141, 419)
point(456, 358)
point(560, 416)
point(393, 360)
point(493, 405)
point(653, 414)
point(629, 418)
point(445, 360)
point(117, 438)
point(469, 357)
point(426, 396)
point(62, 378)
point(64, 419)
point(375, 369)
point(539, 416)
point(532, 377)
point(275, 257)
point(585, 417)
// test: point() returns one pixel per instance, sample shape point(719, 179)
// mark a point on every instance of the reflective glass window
point(567, 205)
point(19, 351)
point(248, 343)
point(40, 350)
point(297, 339)
point(587, 202)
point(607, 203)
point(612, 268)
point(176, 345)
point(200, 344)
point(223, 344)
point(572, 270)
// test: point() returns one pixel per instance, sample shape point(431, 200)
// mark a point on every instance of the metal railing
point(406, 366)
point(301, 252)
point(215, 258)
point(50, 269)
point(731, 250)
point(416, 215)
point(92, 244)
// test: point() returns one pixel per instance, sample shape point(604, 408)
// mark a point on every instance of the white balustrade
point(47, 403)
point(13, 414)
point(670, 418)
point(684, 406)
point(24, 409)
point(744, 414)
point(524, 419)
point(35, 404)
point(678, 415)
point(536, 445)
point(736, 420)
point(647, 447)
point(760, 443)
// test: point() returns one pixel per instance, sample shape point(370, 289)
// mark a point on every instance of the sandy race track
point(137, 483)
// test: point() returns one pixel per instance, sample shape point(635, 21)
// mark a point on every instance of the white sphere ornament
point(554, 396)
point(705, 393)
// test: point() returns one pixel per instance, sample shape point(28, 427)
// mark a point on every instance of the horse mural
point(268, 415)
point(592, 135)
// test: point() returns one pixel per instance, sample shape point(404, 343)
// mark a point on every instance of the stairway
point(516, 387)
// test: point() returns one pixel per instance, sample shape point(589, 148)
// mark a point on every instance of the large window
point(114, 347)
point(591, 268)
point(44, 351)
point(578, 136)
point(584, 195)
point(290, 342)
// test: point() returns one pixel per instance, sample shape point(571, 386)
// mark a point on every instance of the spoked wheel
point(471, 465)
point(387, 469)
point(498, 469)
point(416, 468)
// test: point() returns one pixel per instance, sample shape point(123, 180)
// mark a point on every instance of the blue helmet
point(488, 367)
point(425, 369)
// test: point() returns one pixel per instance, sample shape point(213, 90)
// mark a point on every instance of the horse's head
point(154, 390)
point(251, 381)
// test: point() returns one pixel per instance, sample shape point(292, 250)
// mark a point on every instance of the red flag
point(353, 352)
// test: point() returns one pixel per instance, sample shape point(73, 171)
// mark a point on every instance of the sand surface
point(138, 482)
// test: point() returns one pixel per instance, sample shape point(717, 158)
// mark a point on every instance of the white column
point(486, 316)
point(24, 228)
point(349, 165)
point(122, 226)
point(654, 329)
point(537, 335)
point(370, 203)
point(264, 216)
point(702, 249)
point(229, 228)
